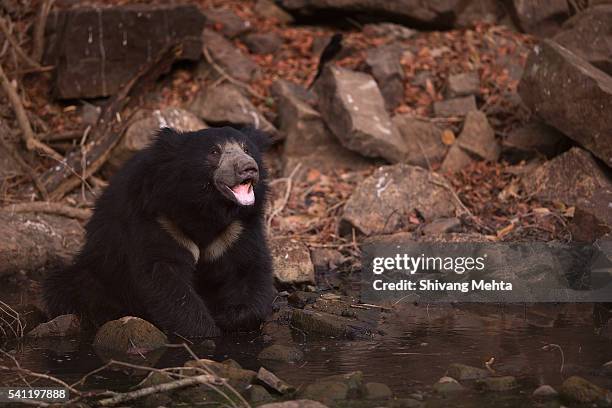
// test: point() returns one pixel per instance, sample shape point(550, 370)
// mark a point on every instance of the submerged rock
point(61, 326)
point(465, 372)
point(580, 390)
point(327, 391)
point(129, 335)
point(326, 324)
point(544, 391)
point(447, 385)
point(292, 264)
point(278, 352)
point(302, 403)
point(272, 382)
point(377, 391)
point(505, 383)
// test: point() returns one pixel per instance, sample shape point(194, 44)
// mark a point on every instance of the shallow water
point(418, 344)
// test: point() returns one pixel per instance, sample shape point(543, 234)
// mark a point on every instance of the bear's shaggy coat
point(176, 239)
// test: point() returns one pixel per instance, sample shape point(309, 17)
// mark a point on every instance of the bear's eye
point(246, 149)
point(215, 151)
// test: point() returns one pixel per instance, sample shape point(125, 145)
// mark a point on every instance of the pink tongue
point(244, 194)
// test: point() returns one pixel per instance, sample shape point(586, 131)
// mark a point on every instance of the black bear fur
point(132, 265)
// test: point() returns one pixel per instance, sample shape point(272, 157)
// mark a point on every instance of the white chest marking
point(180, 237)
point(224, 241)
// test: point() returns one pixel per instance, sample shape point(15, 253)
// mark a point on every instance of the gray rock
point(447, 385)
point(592, 217)
point(465, 372)
point(478, 137)
point(577, 389)
point(391, 30)
point(142, 132)
point(129, 335)
point(540, 17)
point(442, 225)
point(497, 384)
point(291, 260)
point(263, 43)
point(476, 11)
point(227, 22)
point(382, 203)
point(377, 391)
point(533, 139)
point(271, 381)
point(226, 105)
point(455, 160)
point(88, 45)
point(302, 403)
point(352, 106)
point(573, 177)
point(589, 35)
point(466, 83)
point(269, 9)
point(455, 106)
point(422, 138)
point(544, 391)
point(227, 56)
point(327, 324)
point(384, 65)
point(61, 326)
point(570, 94)
point(325, 259)
point(327, 391)
point(256, 394)
point(278, 352)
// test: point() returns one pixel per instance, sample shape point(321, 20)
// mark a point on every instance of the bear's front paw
point(238, 317)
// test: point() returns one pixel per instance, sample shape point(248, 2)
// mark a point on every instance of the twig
point(289, 181)
point(39, 30)
point(12, 313)
point(49, 208)
point(27, 134)
point(18, 50)
point(558, 347)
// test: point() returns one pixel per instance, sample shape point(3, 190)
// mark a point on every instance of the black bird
point(329, 52)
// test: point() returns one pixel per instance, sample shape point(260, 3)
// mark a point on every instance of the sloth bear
point(177, 238)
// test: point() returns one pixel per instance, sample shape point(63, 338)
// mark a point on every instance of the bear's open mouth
point(243, 192)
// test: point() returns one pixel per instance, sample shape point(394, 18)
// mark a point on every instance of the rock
point(238, 377)
point(353, 380)
point(455, 106)
point(592, 217)
point(422, 138)
point(455, 160)
point(478, 137)
point(377, 391)
point(384, 65)
point(325, 259)
point(269, 9)
point(142, 132)
point(278, 352)
point(32, 242)
point(231, 59)
point(544, 391)
point(588, 34)
point(540, 17)
point(256, 394)
point(227, 22)
point(465, 372)
point(352, 106)
point(432, 14)
point(98, 49)
point(569, 94)
point(291, 261)
point(535, 138)
point(382, 203)
point(61, 326)
point(303, 403)
point(477, 11)
point(466, 83)
point(226, 105)
point(269, 380)
point(129, 335)
point(307, 139)
point(300, 299)
point(391, 30)
point(496, 384)
point(326, 392)
point(263, 43)
point(327, 324)
point(577, 389)
point(447, 385)
point(90, 113)
point(442, 226)
point(573, 177)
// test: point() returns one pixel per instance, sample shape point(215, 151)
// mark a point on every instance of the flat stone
point(61, 326)
point(231, 59)
point(466, 83)
point(478, 137)
point(263, 43)
point(98, 49)
point(129, 335)
point(227, 22)
point(578, 389)
point(382, 203)
point(455, 106)
point(422, 138)
point(384, 65)
point(352, 106)
point(291, 260)
point(570, 94)
point(279, 352)
point(226, 105)
point(142, 132)
point(465, 372)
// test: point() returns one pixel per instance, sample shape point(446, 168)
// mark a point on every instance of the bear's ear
point(261, 139)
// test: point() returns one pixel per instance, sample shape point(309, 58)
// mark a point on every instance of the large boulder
point(384, 65)
point(225, 105)
point(142, 132)
point(435, 13)
point(233, 61)
point(308, 140)
point(383, 203)
point(97, 49)
point(30, 242)
point(423, 140)
point(570, 94)
point(354, 109)
point(540, 17)
point(589, 35)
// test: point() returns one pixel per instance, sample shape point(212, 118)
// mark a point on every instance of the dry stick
point(106, 134)
point(289, 181)
point(18, 50)
point(39, 30)
point(8, 310)
point(49, 208)
point(27, 134)
point(24, 166)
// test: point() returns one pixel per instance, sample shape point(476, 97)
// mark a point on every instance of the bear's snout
point(246, 169)
point(236, 175)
